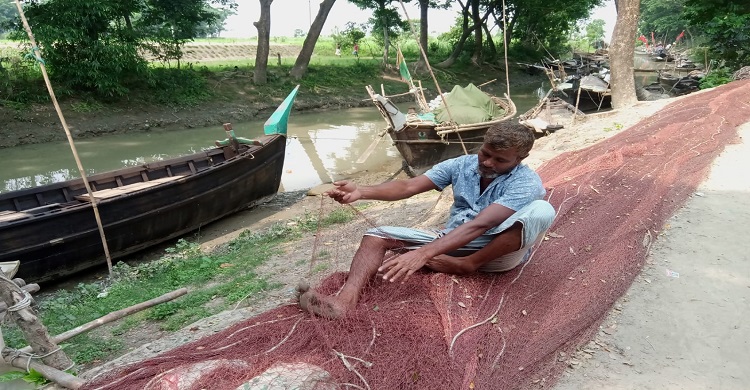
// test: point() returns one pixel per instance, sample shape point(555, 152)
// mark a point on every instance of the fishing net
point(487, 331)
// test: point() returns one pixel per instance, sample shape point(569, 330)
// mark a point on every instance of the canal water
point(321, 147)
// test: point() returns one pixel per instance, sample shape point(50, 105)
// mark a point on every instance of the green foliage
point(544, 25)
point(97, 46)
point(595, 30)
point(721, 25)
point(172, 23)
point(8, 13)
point(217, 281)
point(32, 377)
point(662, 17)
point(179, 87)
point(82, 46)
point(716, 77)
point(387, 19)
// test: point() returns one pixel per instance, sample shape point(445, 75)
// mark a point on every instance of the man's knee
point(542, 213)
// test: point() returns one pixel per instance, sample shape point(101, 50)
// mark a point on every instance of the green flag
point(402, 68)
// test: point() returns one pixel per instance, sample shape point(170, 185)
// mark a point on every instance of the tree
point(725, 25)
point(85, 43)
point(215, 26)
point(303, 59)
point(621, 52)
point(662, 17)
point(595, 31)
point(98, 45)
point(260, 75)
point(424, 7)
point(8, 13)
point(172, 23)
point(386, 21)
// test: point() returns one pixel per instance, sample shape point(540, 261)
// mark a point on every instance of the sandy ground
point(682, 324)
point(666, 332)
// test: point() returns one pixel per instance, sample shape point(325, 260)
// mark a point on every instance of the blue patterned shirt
point(513, 190)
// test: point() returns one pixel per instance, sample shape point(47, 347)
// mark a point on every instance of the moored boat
point(549, 115)
point(433, 132)
point(52, 230)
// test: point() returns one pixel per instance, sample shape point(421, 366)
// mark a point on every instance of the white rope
point(24, 303)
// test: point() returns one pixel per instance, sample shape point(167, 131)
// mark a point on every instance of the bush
point(716, 77)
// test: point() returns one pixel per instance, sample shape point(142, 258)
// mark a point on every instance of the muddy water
point(321, 147)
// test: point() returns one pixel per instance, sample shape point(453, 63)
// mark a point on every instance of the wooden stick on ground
point(115, 315)
point(60, 377)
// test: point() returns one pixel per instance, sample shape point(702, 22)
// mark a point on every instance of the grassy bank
point(216, 281)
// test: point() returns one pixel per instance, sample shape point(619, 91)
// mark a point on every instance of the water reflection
point(321, 147)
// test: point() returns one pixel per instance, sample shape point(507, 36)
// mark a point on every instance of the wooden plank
point(13, 216)
point(113, 192)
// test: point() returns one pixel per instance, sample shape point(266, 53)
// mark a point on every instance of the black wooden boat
point(52, 231)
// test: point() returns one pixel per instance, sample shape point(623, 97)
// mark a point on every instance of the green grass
point(216, 281)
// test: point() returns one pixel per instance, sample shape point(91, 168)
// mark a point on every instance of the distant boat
point(431, 133)
point(549, 115)
point(680, 85)
point(52, 231)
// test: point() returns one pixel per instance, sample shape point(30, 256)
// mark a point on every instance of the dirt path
point(682, 323)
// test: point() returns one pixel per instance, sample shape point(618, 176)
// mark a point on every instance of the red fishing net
point(501, 331)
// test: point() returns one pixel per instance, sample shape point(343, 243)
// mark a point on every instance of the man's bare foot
point(302, 288)
point(324, 306)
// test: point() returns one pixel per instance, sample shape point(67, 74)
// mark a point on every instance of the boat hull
point(198, 189)
point(422, 147)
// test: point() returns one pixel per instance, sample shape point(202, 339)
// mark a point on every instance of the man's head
point(505, 145)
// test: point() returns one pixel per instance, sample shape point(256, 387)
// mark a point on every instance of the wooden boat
point(677, 85)
point(549, 115)
point(53, 232)
point(433, 133)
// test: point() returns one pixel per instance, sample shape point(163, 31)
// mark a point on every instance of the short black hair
point(510, 134)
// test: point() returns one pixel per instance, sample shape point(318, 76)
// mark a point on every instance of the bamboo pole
point(115, 315)
point(81, 171)
point(505, 46)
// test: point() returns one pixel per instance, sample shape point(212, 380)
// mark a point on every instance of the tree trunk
point(303, 59)
point(476, 58)
point(464, 36)
point(509, 30)
point(386, 42)
point(490, 42)
point(260, 76)
point(424, 6)
point(457, 50)
point(621, 53)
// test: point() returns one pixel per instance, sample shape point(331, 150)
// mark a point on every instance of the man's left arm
point(406, 264)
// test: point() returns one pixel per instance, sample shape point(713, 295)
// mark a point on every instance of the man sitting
point(497, 215)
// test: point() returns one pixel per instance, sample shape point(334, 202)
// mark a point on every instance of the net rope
point(484, 331)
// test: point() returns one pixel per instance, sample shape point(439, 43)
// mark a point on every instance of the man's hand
point(345, 192)
point(451, 264)
point(403, 266)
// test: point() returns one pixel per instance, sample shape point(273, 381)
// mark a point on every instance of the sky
point(288, 15)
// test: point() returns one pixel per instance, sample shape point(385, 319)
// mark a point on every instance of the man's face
point(496, 162)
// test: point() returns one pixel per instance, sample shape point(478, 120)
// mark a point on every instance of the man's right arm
point(348, 192)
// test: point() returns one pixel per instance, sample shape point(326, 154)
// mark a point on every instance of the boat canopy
point(468, 105)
